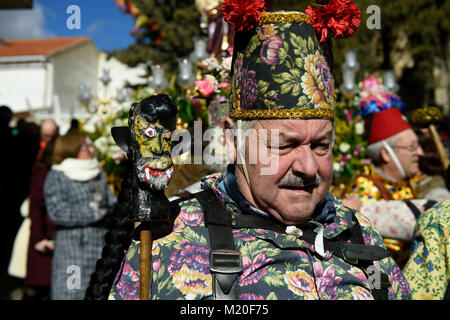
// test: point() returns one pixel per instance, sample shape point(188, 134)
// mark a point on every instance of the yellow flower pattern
point(317, 82)
point(428, 268)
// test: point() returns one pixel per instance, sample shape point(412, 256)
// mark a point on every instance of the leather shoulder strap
point(380, 285)
point(225, 260)
point(384, 192)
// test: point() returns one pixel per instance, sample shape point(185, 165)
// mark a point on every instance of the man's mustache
point(291, 179)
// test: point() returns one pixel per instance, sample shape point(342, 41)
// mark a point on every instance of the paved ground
point(10, 288)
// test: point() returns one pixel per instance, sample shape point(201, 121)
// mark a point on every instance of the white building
point(42, 77)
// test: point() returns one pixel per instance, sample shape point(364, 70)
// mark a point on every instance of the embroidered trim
point(283, 17)
point(303, 113)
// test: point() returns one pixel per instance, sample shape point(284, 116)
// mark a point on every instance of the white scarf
point(78, 169)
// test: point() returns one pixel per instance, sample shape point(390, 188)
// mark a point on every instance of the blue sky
point(101, 20)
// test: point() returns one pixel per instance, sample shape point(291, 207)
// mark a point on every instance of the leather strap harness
point(226, 261)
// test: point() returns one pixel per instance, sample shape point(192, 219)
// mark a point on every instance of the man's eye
point(150, 132)
point(286, 146)
point(321, 146)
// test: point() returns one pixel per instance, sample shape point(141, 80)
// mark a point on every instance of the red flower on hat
point(244, 15)
point(341, 18)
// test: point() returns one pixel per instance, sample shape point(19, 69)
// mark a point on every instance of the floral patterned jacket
point(367, 191)
point(275, 265)
point(428, 269)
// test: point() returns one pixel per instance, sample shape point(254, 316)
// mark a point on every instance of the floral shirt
point(400, 190)
point(275, 265)
point(367, 191)
point(428, 269)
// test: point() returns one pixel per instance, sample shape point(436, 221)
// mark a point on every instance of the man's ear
point(229, 133)
point(121, 136)
point(384, 155)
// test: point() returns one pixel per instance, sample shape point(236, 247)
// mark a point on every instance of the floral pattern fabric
point(393, 219)
point(275, 265)
point(428, 269)
point(400, 190)
point(367, 191)
point(282, 67)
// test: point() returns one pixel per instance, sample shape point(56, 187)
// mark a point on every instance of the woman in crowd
point(78, 201)
point(42, 232)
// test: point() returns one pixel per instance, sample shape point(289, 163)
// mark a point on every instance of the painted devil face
point(153, 147)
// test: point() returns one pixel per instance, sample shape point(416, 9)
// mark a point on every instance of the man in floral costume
point(392, 146)
point(269, 229)
point(394, 150)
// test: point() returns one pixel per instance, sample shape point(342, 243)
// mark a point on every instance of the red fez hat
point(381, 110)
point(384, 124)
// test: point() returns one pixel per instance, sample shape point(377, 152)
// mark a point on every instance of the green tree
point(424, 23)
point(166, 33)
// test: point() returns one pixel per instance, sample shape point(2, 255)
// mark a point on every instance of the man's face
point(48, 130)
point(300, 167)
point(153, 154)
point(408, 151)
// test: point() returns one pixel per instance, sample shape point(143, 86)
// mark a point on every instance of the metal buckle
point(352, 261)
point(226, 261)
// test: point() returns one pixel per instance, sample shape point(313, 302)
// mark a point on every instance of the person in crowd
point(48, 130)
point(9, 198)
point(27, 149)
point(42, 232)
point(78, 201)
point(74, 125)
point(394, 149)
point(433, 184)
point(428, 268)
point(7, 173)
point(268, 229)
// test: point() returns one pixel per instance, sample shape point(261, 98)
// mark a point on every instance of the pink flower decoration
point(119, 155)
point(197, 103)
point(156, 265)
point(348, 115)
point(191, 218)
point(250, 296)
point(207, 86)
point(226, 63)
point(344, 159)
point(254, 269)
point(269, 54)
point(357, 150)
point(372, 85)
point(224, 85)
point(326, 280)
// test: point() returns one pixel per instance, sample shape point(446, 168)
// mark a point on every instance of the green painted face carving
point(153, 153)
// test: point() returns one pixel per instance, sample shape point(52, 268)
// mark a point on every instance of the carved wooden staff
point(147, 142)
point(145, 262)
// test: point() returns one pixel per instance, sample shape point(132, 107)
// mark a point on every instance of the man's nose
point(305, 162)
point(420, 151)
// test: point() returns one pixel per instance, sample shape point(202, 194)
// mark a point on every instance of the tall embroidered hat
point(381, 109)
point(282, 60)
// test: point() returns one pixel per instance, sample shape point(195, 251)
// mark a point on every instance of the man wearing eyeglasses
point(394, 150)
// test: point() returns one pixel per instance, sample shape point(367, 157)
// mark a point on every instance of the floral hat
point(282, 60)
point(382, 111)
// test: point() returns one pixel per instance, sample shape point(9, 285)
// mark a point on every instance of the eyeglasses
point(87, 146)
point(410, 148)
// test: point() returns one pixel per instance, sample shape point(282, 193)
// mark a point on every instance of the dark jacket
point(39, 264)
